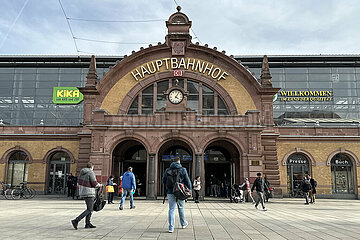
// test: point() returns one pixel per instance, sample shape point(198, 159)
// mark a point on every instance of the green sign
point(67, 95)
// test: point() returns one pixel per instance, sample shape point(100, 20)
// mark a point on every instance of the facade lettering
point(192, 64)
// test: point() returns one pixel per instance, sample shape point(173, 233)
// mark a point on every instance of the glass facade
point(26, 88)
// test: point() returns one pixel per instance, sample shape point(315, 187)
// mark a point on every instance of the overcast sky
point(240, 27)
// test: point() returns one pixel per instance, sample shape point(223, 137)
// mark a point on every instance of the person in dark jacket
point(213, 185)
point(110, 182)
point(306, 187)
point(183, 178)
point(69, 184)
point(129, 186)
point(266, 189)
point(312, 194)
point(87, 184)
point(259, 185)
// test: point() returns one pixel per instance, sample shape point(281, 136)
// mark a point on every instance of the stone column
point(198, 164)
point(151, 177)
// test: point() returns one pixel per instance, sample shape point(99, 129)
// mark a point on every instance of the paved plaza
point(49, 218)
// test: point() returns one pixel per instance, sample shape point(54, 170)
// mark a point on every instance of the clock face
point(176, 96)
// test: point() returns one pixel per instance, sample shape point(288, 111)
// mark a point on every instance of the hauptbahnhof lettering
point(285, 116)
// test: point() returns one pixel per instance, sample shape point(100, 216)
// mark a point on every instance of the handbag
point(109, 189)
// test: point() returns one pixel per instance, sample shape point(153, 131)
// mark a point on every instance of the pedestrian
point(74, 188)
point(306, 187)
point(213, 185)
point(110, 189)
point(69, 184)
point(266, 189)
point(87, 184)
point(183, 178)
point(312, 192)
point(197, 187)
point(120, 192)
point(259, 185)
point(247, 190)
point(129, 186)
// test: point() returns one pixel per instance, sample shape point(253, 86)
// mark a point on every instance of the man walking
point(129, 186)
point(87, 184)
point(312, 192)
point(306, 187)
point(259, 185)
point(181, 173)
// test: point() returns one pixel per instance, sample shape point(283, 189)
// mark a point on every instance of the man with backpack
point(259, 185)
point(312, 192)
point(172, 176)
point(87, 184)
point(306, 187)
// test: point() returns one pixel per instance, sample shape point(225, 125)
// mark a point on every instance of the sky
point(240, 27)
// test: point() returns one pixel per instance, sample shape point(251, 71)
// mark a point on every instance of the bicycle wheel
point(26, 193)
point(32, 192)
point(7, 194)
point(16, 194)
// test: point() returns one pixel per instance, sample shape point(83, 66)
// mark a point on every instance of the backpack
point(307, 185)
point(315, 183)
point(180, 191)
point(99, 200)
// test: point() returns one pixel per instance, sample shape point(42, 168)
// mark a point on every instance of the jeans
point(172, 205)
point(110, 197)
point(197, 193)
point(125, 191)
point(213, 190)
point(88, 212)
point(260, 199)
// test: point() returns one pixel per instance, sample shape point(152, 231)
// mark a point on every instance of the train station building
point(230, 116)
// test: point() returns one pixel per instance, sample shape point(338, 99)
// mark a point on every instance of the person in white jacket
point(197, 187)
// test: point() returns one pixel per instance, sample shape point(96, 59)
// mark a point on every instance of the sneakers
point(74, 223)
point(90, 226)
point(132, 207)
point(121, 208)
point(185, 225)
point(255, 206)
point(264, 209)
point(171, 231)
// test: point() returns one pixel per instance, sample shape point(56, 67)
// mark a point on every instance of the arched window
point(342, 174)
point(201, 98)
point(17, 168)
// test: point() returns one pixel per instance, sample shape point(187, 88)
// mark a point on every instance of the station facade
point(182, 99)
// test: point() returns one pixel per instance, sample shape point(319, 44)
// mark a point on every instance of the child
point(197, 187)
point(110, 189)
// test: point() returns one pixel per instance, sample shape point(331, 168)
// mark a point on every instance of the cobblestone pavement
point(285, 219)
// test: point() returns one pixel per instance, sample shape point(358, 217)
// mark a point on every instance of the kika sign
point(191, 64)
point(67, 95)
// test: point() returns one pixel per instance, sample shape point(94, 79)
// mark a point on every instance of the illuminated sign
point(195, 65)
point(305, 96)
point(67, 95)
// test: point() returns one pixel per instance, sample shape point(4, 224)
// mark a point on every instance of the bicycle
point(22, 191)
point(6, 190)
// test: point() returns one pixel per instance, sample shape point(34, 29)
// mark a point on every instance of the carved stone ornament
point(178, 48)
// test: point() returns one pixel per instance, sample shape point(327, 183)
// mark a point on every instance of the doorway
point(59, 171)
point(131, 153)
point(170, 150)
point(342, 175)
point(297, 169)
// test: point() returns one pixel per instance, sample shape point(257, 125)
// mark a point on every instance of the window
point(17, 168)
point(147, 100)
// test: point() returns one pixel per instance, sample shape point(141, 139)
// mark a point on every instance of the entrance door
point(139, 170)
point(342, 174)
point(57, 177)
point(297, 169)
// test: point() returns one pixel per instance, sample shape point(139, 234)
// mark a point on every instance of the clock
point(176, 96)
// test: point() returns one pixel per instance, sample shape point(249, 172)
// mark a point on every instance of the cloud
point(239, 27)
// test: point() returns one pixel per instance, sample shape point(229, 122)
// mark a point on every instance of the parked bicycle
point(6, 190)
point(22, 191)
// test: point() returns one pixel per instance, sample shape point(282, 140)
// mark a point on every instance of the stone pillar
point(198, 164)
point(151, 177)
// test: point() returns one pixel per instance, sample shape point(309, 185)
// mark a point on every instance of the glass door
point(57, 177)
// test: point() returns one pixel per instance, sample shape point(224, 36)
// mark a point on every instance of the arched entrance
point(297, 168)
point(17, 171)
point(342, 174)
point(167, 152)
point(59, 170)
point(220, 168)
point(131, 153)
